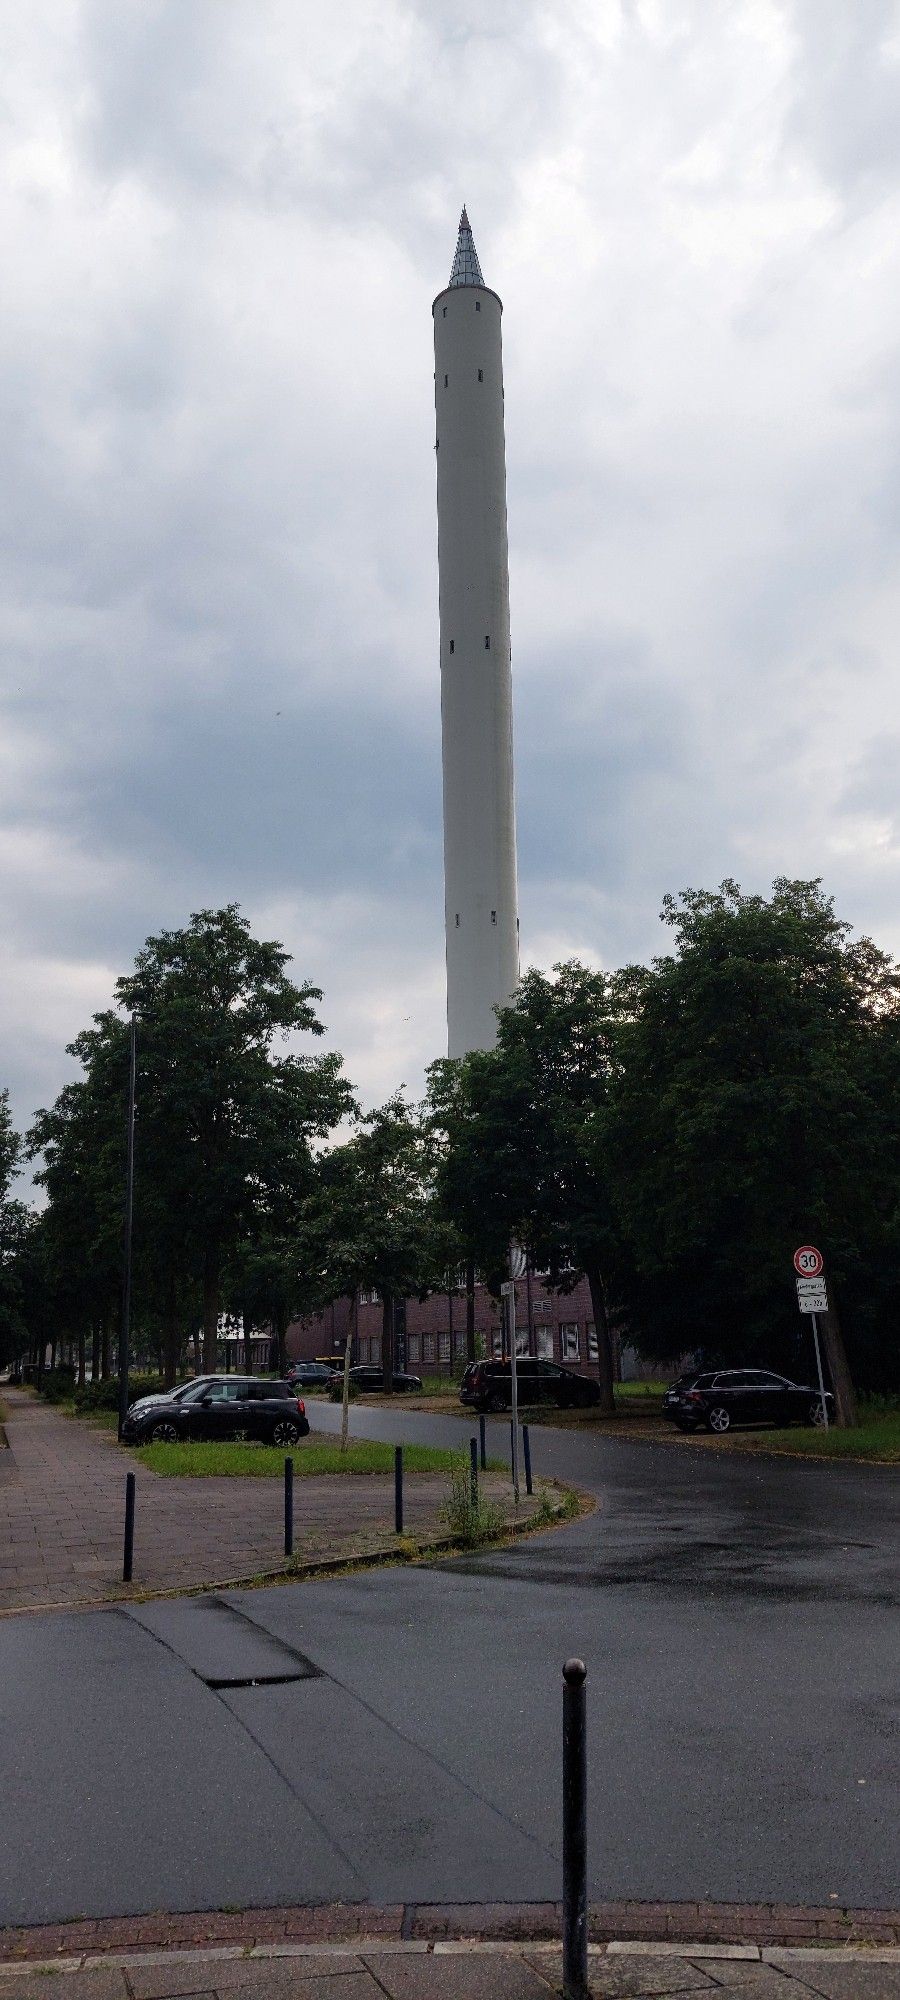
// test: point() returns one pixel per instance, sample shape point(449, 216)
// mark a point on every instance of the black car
point(366, 1375)
point(220, 1406)
point(488, 1385)
point(309, 1375)
point(717, 1399)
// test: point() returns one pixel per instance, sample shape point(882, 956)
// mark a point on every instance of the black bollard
point(473, 1473)
point(398, 1488)
point(128, 1563)
point(526, 1447)
point(482, 1444)
point(575, 1980)
point(288, 1506)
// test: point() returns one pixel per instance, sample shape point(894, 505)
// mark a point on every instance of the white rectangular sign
point(813, 1302)
point(811, 1284)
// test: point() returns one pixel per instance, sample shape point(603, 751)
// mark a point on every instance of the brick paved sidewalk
point(62, 1498)
point(460, 1971)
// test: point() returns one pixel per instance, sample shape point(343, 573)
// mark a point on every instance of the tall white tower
point(476, 683)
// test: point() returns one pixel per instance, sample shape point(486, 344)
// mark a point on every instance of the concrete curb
point(859, 1955)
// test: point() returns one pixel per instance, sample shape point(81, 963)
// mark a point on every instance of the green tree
point(524, 1144)
point(747, 1121)
point(224, 1124)
point(376, 1215)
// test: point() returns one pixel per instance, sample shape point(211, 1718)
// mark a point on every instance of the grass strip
point(312, 1459)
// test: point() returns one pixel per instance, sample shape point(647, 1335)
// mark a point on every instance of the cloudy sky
point(222, 223)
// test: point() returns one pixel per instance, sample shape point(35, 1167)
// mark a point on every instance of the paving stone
point(458, 1976)
point(624, 1978)
point(862, 1981)
point(108, 1983)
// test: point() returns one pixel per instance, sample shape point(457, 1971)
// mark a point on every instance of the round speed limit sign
point(808, 1261)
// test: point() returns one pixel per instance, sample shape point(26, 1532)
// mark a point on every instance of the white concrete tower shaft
point(476, 682)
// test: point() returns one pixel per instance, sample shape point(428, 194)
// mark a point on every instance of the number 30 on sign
point(808, 1261)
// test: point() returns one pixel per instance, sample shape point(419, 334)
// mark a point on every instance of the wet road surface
point(395, 1736)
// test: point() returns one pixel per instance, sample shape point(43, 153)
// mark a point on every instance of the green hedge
point(59, 1387)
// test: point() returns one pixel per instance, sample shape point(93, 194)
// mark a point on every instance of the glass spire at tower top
point(466, 268)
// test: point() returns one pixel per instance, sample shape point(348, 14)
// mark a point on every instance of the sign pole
point(815, 1320)
point(509, 1299)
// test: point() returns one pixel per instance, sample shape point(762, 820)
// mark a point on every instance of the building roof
point(466, 268)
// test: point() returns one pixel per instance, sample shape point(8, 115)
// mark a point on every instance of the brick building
point(430, 1334)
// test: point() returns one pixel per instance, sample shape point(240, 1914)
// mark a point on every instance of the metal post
point(125, 1322)
point(575, 1961)
point(473, 1472)
point(815, 1320)
point(288, 1506)
point(508, 1292)
point(398, 1488)
point(526, 1450)
point(482, 1445)
point(128, 1563)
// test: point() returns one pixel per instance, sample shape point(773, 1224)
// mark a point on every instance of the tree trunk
point(82, 1358)
point(248, 1341)
point(210, 1307)
point(605, 1371)
point(95, 1351)
point(104, 1348)
point(195, 1340)
point(171, 1342)
point(387, 1342)
point(348, 1349)
point(280, 1325)
point(845, 1413)
point(470, 1311)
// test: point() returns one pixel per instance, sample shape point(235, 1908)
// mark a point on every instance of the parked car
point(366, 1375)
point(309, 1375)
point(217, 1407)
point(719, 1399)
point(489, 1386)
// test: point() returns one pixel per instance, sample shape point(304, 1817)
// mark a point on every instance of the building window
point(487, 642)
point(457, 920)
point(477, 306)
point(443, 1346)
point(428, 1348)
point(545, 1342)
point(568, 1341)
point(363, 1349)
point(452, 644)
point(459, 1341)
point(481, 374)
point(445, 312)
point(593, 1349)
point(493, 916)
point(375, 1351)
point(412, 1348)
point(446, 381)
point(496, 1344)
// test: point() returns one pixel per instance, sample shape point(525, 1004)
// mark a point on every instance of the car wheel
point(719, 1419)
point(496, 1401)
point(164, 1433)
point(817, 1414)
point(285, 1433)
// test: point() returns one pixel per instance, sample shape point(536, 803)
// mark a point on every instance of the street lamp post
point(125, 1322)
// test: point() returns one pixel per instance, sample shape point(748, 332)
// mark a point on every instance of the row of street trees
point(672, 1132)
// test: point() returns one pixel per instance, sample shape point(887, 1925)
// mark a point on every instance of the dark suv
point(720, 1398)
point(367, 1375)
point(220, 1406)
point(309, 1374)
point(488, 1385)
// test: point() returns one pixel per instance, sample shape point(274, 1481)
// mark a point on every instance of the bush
point(470, 1523)
point(58, 1384)
point(105, 1395)
point(336, 1392)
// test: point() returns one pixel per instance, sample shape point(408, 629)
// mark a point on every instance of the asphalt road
point(402, 1739)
